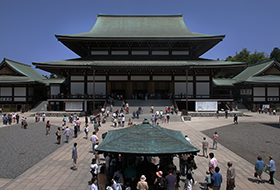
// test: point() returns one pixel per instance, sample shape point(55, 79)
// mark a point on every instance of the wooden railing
point(183, 96)
point(77, 96)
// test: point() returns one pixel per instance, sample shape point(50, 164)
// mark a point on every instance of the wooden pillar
point(187, 97)
point(93, 90)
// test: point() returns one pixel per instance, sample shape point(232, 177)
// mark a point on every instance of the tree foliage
point(275, 54)
point(248, 57)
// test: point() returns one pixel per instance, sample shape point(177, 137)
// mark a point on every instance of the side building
point(21, 87)
point(258, 86)
point(136, 56)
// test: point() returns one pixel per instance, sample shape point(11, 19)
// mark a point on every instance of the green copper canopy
point(146, 139)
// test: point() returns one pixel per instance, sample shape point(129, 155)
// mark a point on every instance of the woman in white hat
point(142, 184)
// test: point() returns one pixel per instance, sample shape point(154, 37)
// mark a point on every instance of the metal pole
point(187, 98)
point(93, 90)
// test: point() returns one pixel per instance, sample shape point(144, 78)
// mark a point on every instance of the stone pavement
point(54, 172)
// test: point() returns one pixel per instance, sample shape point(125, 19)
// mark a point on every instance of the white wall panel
point(73, 106)
point(77, 78)
point(19, 99)
point(206, 106)
point(77, 88)
point(180, 88)
point(202, 88)
point(55, 89)
point(161, 77)
point(6, 91)
point(20, 91)
point(199, 78)
point(176, 78)
point(259, 99)
point(117, 78)
point(139, 78)
point(100, 88)
point(96, 78)
point(272, 91)
point(259, 91)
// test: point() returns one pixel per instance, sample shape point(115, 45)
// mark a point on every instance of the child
point(188, 182)
point(208, 179)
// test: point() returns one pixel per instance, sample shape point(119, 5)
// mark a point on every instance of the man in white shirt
point(213, 163)
point(93, 139)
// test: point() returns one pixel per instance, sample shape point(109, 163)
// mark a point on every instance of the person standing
point(44, 117)
point(93, 168)
point(272, 170)
point(217, 179)
point(170, 181)
point(86, 130)
point(213, 163)
point(142, 184)
point(102, 178)
point(259, 167)
point(230, 176)
point(78, 124)
point(205, 147)
point(48, 127)
point(94, 184)
point(58, 135)
point(215, 140)
point(93, 140)
point(159, 181)
point(188, 182)
point(75, 156)
point(67, 133)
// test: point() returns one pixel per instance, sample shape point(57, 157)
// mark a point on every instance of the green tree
point(245, 56)
point(275, 54)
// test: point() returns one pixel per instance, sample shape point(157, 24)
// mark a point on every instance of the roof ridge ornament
point(146, 121)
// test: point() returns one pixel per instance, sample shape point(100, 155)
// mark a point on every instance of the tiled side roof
point(25, 70)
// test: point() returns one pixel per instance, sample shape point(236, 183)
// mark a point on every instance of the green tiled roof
point(224, 82)
point(253, 73)
point(8, 79)
point(138, 63)
point(140, 26)
point(54, 81)
point(29, 74)
point(146, 139)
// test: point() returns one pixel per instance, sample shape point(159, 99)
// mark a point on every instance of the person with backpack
point(159, 181)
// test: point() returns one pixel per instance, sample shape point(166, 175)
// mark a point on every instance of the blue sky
point(28, 27)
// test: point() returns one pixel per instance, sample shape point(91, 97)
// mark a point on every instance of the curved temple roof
point(140, 26)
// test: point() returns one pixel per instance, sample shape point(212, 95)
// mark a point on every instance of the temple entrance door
point(163, 90)
point(139, 90)
point(118, 89)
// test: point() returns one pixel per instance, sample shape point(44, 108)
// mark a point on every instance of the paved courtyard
point(53, 171)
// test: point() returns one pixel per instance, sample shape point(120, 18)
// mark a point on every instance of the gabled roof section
point(25, 72)
point(140, 26)
point(256, 71)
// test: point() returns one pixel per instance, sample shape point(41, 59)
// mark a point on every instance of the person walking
point(170, 181)
point(94, 185)
point(102, 178)
point(217, 179)
point(215, 140)
point(259, 167)
point(48, 127)
point(44, 117)
point(93, 140)
point(230, 176)
point(272, 169)
point(67, 133)
point(75, 156)
point(159, 181)
point(205, 147)
point(58, 135)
